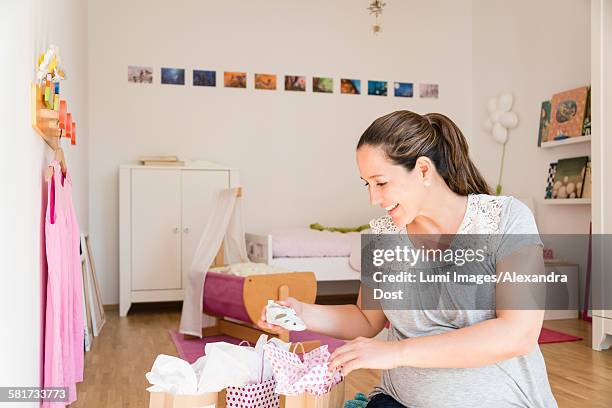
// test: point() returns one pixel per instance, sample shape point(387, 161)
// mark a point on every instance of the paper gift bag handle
point(296, 344)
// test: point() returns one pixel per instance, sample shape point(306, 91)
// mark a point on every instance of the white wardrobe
point(162, 214)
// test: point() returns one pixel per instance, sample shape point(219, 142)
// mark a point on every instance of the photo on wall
point(322, 85)
point(234, 79)
point(428, 90)
point(173, 76)
point(204, 78)
point(404, 89)
point(350, 86)
point(295, 83)
point(265, 81)
point(140, 75)
point(378, 88)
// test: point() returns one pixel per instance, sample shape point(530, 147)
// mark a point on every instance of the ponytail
point(457, 168)
point(405, 136)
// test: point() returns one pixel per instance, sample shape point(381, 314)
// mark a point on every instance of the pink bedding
point(307, 242)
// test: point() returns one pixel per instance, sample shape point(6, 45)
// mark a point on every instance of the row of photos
point(176, 76)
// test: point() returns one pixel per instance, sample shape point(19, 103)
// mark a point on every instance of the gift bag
point(261, 394)
point(334, 398)
point(307, 383)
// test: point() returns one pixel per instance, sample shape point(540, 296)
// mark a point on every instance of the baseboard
point(111, 307)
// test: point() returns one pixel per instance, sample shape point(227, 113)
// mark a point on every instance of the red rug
point(552, 336)
point(191, 350)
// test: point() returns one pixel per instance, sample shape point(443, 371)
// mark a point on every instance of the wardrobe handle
point(176, 230)
point(186, 230)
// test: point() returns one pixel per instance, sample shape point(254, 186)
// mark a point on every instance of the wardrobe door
point(199, 190)
point(156, 221)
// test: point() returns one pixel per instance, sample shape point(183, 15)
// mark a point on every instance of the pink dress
point(64, 327)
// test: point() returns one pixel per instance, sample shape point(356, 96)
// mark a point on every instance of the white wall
point(26, 29)
point(295, 151)
point(518, 47)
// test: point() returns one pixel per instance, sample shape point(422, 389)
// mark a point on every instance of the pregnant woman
point(418, 169)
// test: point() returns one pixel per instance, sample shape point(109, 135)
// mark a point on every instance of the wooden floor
point(126, 348)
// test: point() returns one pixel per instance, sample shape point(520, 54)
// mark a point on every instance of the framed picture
point(569, 177)
point(350, 86)
point(567, 113)
point(544, 122)
point(428, 90)
point(295, 83)
point(404, 89)
point(141, 75)
point(173, 76)
point(234, 79)
point(95, 318)
point(204, 78)
point(265, 81)
point(378, 88)
point(323, 85)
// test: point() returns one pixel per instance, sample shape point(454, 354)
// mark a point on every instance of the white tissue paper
point(173, 375)
point(232, 365)
point(224, 365)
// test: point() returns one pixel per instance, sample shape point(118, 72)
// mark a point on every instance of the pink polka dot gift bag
point(305, 383)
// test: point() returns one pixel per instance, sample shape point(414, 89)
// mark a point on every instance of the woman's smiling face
point(399, 191)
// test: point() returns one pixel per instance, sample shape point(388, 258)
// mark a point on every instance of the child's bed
point(326, 253)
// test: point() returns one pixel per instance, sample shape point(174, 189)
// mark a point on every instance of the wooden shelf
point(44, 121)
point(567, 201)
point(568, 141)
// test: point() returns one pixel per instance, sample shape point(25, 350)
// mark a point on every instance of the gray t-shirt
point(517, 382)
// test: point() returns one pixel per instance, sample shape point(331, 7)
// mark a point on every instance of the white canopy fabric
point(225, 224)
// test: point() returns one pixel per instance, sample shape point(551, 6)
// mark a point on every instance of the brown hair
point(405, 136)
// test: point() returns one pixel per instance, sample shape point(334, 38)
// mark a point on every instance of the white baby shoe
point(283, 316)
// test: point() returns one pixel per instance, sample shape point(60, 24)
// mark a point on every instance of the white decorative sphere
point(504, 103)
point(572, 195)
point(562, 193)
point(500, 134)
point(565, 180)
point(557, 185)
point(570, 188)
point(509, 120)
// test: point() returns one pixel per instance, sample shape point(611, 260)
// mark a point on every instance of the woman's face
point(399, 191)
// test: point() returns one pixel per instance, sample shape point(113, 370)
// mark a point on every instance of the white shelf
point(567, 201)
point(568, 141)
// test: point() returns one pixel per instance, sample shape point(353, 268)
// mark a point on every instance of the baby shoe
point(283, 316)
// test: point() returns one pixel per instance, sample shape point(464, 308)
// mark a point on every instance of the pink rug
point(552, 336)
point(191, 350)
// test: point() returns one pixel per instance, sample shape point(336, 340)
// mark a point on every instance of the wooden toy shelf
point(51, 124)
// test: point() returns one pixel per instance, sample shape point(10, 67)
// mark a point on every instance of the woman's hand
point(292, 303)
point(366, 353)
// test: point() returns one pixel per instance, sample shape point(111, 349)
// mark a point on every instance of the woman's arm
point(341, 321)
point(510, 334)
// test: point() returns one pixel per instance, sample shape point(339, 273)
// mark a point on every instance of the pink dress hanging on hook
point(64, 327)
